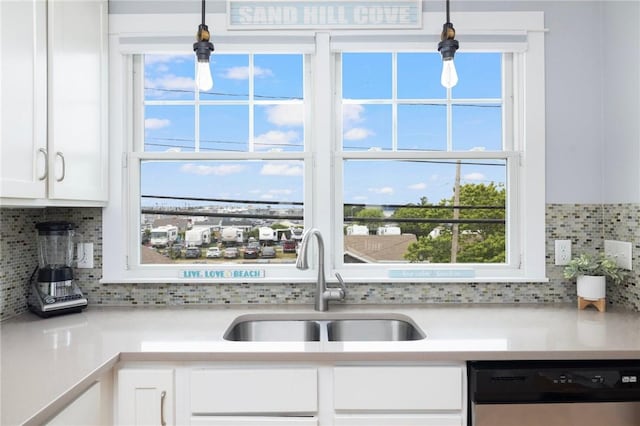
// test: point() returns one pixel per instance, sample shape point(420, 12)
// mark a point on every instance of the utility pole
point(455, 229)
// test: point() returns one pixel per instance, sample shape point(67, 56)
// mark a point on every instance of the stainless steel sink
point(274, 331)
point(372, 330)
point(320, 327)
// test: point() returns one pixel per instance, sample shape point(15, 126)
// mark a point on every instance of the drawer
point(412, 388)
point(258, 391)
point(253, 421)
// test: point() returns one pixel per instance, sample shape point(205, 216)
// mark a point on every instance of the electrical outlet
point(85, 255)
point(619, 250)
point(563, 252)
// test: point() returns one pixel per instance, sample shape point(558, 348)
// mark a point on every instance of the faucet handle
point(342, 284)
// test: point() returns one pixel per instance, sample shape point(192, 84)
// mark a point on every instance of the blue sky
point(278, 84)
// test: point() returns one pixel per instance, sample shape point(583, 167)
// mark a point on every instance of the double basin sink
point(315, 328)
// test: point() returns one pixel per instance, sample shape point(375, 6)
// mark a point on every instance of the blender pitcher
point(55, 255)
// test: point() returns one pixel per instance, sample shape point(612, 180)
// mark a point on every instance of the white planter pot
point(592, 287)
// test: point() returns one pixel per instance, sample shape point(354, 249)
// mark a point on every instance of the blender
point(54, 292)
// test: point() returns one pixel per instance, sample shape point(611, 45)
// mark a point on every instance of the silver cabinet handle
point(64, 166)
point(163, 395)
point(46, 166)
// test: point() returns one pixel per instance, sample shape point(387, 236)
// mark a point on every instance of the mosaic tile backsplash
point(586, 225)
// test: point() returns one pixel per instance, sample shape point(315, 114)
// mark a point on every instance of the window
point(256, 108)
point(421, 209)
point(407, 180)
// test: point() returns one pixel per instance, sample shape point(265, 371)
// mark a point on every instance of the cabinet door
point(77, 41)
point(145, 397)
point(23, 99)
point(405, 388)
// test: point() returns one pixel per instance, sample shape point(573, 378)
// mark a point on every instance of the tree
point(478, 242)
point(423, 210)
point(369, 213)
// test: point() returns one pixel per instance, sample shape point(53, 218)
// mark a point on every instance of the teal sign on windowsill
point(432, 273)
point(327, 14)
point(222, 273)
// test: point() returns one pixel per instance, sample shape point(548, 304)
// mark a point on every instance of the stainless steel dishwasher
point(554, 393)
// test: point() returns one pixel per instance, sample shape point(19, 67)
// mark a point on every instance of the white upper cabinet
point(77, 99)
point(54, 102)
point(23, 99)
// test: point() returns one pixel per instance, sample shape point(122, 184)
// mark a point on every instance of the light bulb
point(449, 77)
point(203, 76)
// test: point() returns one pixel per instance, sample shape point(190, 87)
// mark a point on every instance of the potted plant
point(591, 273)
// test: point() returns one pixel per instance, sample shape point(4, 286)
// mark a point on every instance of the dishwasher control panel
point(554, 381)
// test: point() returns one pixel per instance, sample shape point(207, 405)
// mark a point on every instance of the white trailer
point(357, 230)
point(198, 235)
point(231, 234)
point(266, 234)
point(163, 236)
point(389, 230)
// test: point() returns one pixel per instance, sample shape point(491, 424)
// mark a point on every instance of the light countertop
point(44, 359)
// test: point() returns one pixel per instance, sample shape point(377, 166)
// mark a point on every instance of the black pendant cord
point(448, 19)
point(203, 11)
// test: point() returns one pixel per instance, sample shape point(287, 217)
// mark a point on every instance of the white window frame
point(519, 32)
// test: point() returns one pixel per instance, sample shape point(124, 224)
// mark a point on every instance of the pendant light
point(447, 48)
point(203, 48)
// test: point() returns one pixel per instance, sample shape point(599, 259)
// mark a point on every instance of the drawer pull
point(163, 395)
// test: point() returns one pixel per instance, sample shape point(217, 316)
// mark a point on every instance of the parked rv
point(198, 235)
point(266, 234)
point(389, 230)
point(357, 230)
point(231, 235)
point(164, 236)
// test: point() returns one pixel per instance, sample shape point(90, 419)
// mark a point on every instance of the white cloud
point(360, 198)
point(357, 133)
point(351, 114)
point(276, 137)
point(242, 73)
point(255, 191)
point(474, 176)
point(171, 82)
point(418, 186)
point(285, 115)
point(223, 170)
point(267, 196)
point(281, 169)
point(156, 123)
point(384, 190)
point(478, 148)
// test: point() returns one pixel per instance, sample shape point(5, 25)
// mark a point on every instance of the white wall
point(621, 101)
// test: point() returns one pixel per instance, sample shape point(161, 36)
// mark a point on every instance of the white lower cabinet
point(253, 421)
point(253, 396)
point(145, 396)
point(295, 394)
point(398, 395)
point(399, 420)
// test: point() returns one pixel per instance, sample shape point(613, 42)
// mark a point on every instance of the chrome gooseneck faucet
point(323, 293)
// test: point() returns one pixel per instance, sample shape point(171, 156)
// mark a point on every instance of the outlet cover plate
point(621, 251)
point(563, 252)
